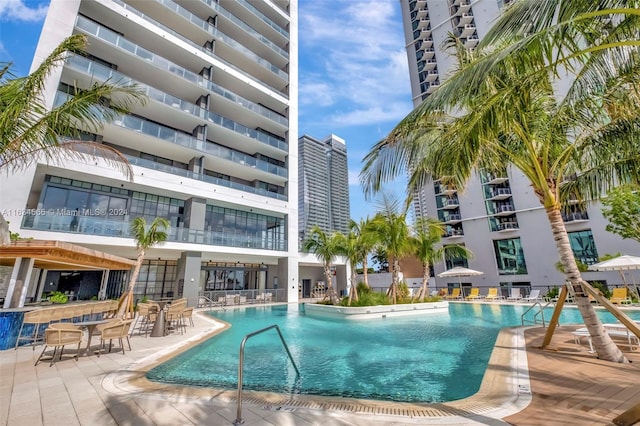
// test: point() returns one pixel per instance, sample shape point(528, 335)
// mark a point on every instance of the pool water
point(436, 357)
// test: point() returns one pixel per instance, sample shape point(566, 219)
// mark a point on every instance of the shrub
point(552, 293)
point(58, 297)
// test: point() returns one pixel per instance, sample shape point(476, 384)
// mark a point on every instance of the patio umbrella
point(460, 272)
point(620, 263)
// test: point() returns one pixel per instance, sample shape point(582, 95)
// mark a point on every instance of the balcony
point(432, 76)
point(427, 43)
point(507, 226)
point(471, 41)
point(429, 53)
point(500, 194)
point(444, 189)
point(425, 33)
point(467, 30)
point(62, 221)
point(421, 3)
point(452, 218)
point(424, 22)
point(463, 6)
point(422, 12)
point(491, 179)
point(575, 217)
point(465, 18)
point(430, 64)
point(450, 203)
point(504, 210)
point(454, 233)
point(433, 87)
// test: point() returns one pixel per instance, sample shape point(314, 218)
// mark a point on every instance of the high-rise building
point(213, 150)
point(497, 217)
point(323, 179)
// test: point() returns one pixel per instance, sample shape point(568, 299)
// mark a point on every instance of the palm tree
point(503, 107)
point(367, 240)
point(146, 237)
point(390, 224)
point(349, 247)
point(427, 236)
point(327, 249)
point(30, 131)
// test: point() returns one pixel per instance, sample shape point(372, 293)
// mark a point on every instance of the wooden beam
point(633, 327)
point(555, 317)
point(629, 417)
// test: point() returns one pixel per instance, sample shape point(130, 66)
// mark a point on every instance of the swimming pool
point(432, 358)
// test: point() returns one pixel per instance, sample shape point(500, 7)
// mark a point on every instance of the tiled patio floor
point(570, 387)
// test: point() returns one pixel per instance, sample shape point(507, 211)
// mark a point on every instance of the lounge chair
point(474, 294)
point(534, 296)
point(620, 296)
point(514, 294)
point(455, 294)
point(492, 294)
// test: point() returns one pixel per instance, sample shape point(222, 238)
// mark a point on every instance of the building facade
point(213, 150)
point(323, 191)
point(497, 217)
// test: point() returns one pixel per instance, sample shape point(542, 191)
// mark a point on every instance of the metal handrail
point(211, 302)
point(239, 420)
point(540, 312)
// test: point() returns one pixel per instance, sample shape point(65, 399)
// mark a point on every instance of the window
point(452, 262)
point(509, 257)
point(583, 246)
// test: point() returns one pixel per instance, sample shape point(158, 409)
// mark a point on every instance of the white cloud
point(357, 46)
point(16, 10)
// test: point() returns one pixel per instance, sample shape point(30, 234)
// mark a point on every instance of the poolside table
point(90, 326)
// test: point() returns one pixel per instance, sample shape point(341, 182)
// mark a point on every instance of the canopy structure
point(25, 255)
point(459, 271)
point(620, 263)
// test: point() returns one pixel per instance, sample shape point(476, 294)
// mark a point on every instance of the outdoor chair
point(187, 314)
point(36, 319)
point(620, 296)
point(514, 294)
point(173, 317)
point(146, 317)
point(473, 294)
point(455, 294)
point(492, 294)
point(59, 335)
point(116, 329)
point(534, 296)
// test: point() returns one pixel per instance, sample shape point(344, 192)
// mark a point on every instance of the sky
point(353, 76)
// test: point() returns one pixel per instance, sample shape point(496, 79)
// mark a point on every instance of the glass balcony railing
point(148, 164)
point(222, 36)
point(58, 221)
point(283, 75)
point(91, 68)
point(114, 39)
point(140, 125)
point(264, 18)
point(223, 12)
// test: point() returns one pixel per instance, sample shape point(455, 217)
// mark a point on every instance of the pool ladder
point(239, 420)
point(539, 313)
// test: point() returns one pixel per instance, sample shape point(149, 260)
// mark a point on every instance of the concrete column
point(19, 283)
point(194, 212)
point(288, 277)
point(188, 273)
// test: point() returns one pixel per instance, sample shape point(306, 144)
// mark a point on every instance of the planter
point(371, 312)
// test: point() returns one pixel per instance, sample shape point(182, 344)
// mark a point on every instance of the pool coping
point(505, 388)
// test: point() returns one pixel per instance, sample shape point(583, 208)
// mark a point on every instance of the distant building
point(498, 217)
point(323, 187)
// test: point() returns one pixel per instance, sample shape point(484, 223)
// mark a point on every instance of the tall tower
point(497, 217)
point(213, 150)
point(324, 185)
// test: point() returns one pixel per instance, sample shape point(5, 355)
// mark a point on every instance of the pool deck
point(567, 385)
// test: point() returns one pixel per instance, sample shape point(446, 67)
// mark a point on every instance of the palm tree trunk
point(127, 301)
point(353, 291)
point(365, 274)
point(393, 290)
point(331, 292)
point(425, 282)
point(605, 348)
